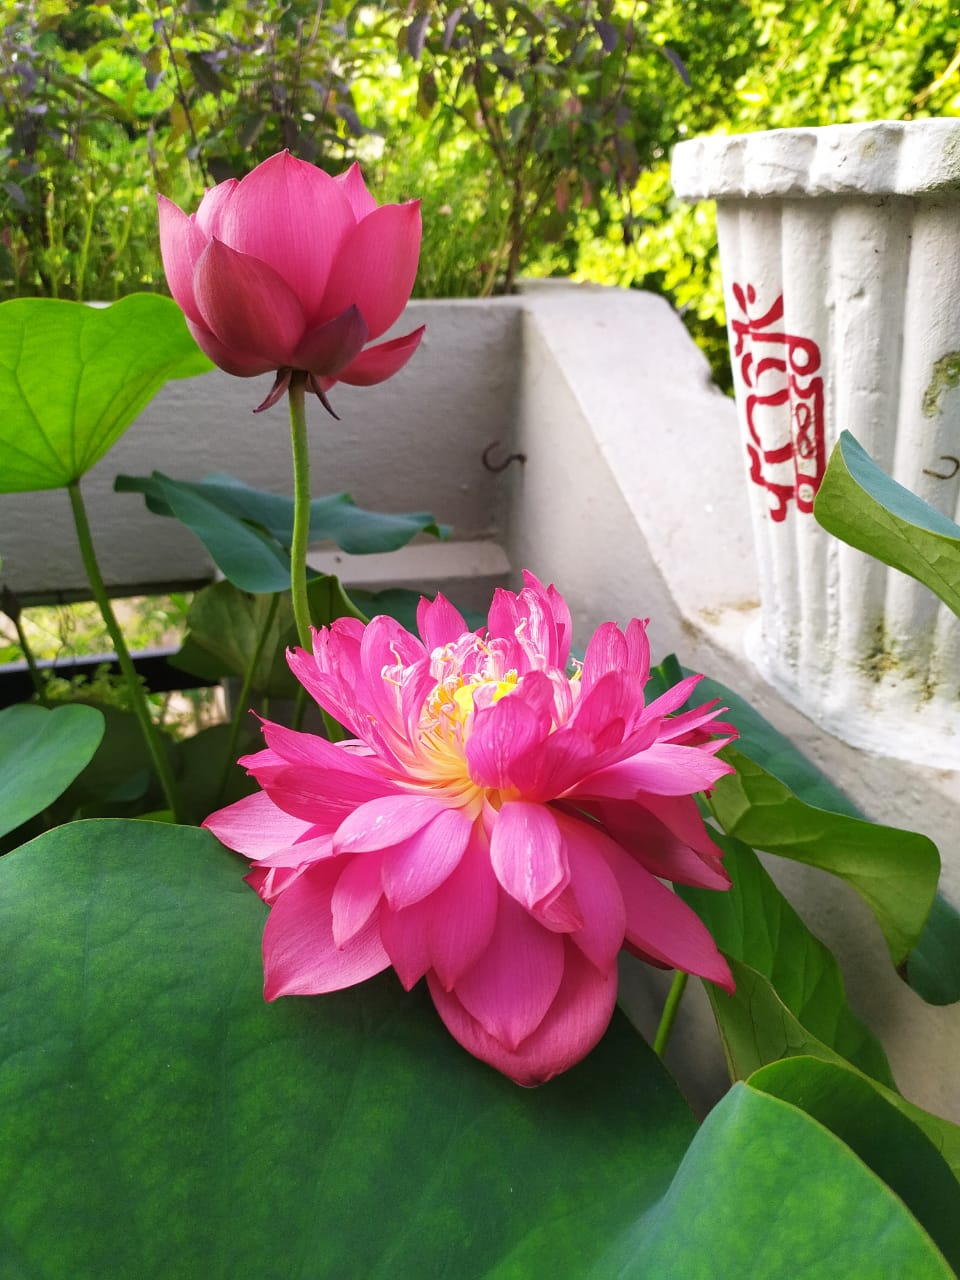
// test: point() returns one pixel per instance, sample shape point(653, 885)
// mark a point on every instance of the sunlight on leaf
point(74, 377)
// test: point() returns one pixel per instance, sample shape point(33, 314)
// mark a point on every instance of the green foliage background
point(537, 135)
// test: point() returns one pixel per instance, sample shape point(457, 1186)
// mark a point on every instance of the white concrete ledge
point(466, 572)
point(414, 443)
point(878, 158)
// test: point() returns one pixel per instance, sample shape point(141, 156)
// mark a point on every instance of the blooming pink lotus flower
point(496, 825)
point(290, 269)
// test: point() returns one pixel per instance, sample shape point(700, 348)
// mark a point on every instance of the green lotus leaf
point(74, 377)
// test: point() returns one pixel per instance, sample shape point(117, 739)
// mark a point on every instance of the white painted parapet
point(840, 251)
point(633, 499)
point(414, 443)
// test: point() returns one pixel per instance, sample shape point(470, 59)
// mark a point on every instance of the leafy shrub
point(538, 135)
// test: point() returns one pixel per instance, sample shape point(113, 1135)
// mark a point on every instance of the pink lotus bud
point(497, 824)
point(292, 270)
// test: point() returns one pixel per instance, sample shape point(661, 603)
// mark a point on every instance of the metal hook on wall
point(500, 466)
point(939, 475)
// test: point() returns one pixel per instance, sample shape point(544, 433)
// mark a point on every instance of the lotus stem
point(301, 508)
point(138, 700)
point(11, 607)
point(244, 694)
point(35, 677)
point(669, 1015)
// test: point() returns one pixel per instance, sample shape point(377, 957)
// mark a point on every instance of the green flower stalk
point(292, 272)
point(669, 1015)
point(151, 734)
point(301, 508)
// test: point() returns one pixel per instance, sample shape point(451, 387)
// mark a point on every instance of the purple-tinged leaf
point(417, 35)
point(450, 26)
point(16, 194)
point(672, 56)
point(350, 118)
point(609, 35)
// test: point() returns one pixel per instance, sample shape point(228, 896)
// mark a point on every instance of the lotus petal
point(181, 244)
point(247, 305)
point(376, 266)
point(293, 217)
point(379, 362)
point(300, 955)
point(568, 1031)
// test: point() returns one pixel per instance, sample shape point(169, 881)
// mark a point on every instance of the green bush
point(538, 136)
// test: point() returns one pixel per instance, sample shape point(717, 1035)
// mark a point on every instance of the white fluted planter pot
point(840, 252)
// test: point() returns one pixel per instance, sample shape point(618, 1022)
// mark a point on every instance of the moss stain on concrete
point(945, 376)
point(881, 658)
point(884, 660)
point(714, 615)
point(928, 689)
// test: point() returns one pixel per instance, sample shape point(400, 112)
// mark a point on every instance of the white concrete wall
point(414, 443)
point(634, 501)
